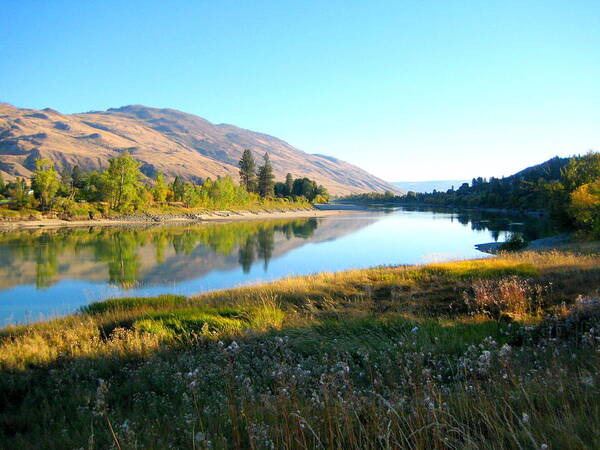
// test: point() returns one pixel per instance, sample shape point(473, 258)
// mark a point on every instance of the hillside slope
point(164, 140)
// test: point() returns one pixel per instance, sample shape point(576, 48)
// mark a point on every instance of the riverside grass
point(388, 357)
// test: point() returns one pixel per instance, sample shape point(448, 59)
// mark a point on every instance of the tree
point(585, 206)
point(18, 193)
point(123, 181)
point(266, 178)
point(248, 171)
point(289, 184)
point(190, 196)
point(280, 190)
point(45, 182)
point(322, 195)
point(305, 187)
point(2, 185)
point(77, 177)
point(177, 188)
point(160, 189)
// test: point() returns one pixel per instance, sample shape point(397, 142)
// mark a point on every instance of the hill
point(165, 140)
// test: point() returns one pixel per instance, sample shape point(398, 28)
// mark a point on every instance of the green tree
point(305, 187)
point(160, 189)
point(2, 185)
point(190, 196)
point(77, 177)
point(280, 189)
point(248, 171)
point(18, 193)
point(322, 195)
point(266, 178)
point(123, 181)
point(45, 182)
point(177, 188)
point(289, 184)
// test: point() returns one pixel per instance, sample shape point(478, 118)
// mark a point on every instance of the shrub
point(512, 297)
point(515, 242)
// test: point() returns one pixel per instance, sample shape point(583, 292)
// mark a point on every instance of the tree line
point(567, 188)
point(262, 181)
point(123, 187)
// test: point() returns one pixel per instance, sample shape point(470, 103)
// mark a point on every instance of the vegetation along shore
point(122, 193)
point(565, 189)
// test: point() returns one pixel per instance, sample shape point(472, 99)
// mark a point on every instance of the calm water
point(45, 273)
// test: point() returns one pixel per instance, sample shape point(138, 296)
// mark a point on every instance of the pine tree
point(248, 171)
point(266, 178)
point(77, 177)
point(177, 188)
point(289, 184)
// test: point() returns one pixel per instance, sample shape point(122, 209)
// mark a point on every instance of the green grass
point(388, 357)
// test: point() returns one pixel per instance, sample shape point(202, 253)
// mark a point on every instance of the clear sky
point(409, 90)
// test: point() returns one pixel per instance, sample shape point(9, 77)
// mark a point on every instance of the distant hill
point(165, 140)
point(428, 186)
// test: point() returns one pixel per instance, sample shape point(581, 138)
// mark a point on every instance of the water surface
point(46, 273)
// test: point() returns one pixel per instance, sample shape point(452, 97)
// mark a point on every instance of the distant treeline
point(122, 187)
point(568, 188)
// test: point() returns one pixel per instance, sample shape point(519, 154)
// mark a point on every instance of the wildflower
point(415, 330)
point(505, 351)
point(525, 418)
point(233, 347)
point(544, 446)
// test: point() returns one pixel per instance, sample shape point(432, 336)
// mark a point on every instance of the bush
point(512, 297)
point(514, 243)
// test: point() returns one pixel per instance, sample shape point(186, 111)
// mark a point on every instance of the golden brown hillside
point(164, 140)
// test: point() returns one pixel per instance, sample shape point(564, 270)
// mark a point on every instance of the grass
point(388, 357)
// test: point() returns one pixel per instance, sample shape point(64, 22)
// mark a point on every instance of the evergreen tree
point(2, 185)
point(289, 184)
point(266, 178)
point(177, 188)
point(77, 177)
point(45, 182)
point(248, 171)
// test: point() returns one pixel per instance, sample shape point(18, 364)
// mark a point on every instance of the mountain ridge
point(163, 139)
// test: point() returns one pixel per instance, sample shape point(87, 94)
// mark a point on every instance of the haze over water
point(53, 272)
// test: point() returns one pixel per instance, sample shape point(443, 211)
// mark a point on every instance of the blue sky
point(409, 90)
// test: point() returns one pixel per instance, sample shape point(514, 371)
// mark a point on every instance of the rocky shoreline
point(147, 218)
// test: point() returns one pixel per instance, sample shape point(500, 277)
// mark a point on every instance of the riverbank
point(408, 356)
point(560, 242)
point(148, 218)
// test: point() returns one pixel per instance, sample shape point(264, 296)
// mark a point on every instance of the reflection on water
point(54, 271)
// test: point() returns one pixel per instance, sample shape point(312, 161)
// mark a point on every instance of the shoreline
point(547, 243)
point(164, 219)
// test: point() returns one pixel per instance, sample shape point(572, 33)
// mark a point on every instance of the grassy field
point(493, 353)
